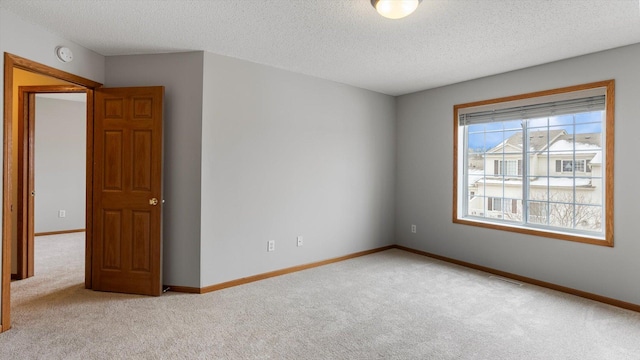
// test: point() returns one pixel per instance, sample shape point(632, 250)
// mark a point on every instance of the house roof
point(581, 142)
point(538, 140)
point(559, 141)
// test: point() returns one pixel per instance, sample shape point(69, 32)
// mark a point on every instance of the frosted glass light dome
point(395, 9)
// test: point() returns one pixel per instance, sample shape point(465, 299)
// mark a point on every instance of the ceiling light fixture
point(395, 9)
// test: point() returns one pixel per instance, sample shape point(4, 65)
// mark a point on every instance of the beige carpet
point(389, 305)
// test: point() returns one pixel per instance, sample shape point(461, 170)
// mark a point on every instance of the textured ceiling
point(443, 42)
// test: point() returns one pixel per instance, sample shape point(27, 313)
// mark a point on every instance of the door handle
point(153, 201)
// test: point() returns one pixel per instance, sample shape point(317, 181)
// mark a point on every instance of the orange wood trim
point(26, 64)
point(21, 205)
point(285, 271)
point(5, 317)
point(88, 235)
point(51, 89)
point(574, 88)
point(529, 231)
point(455, 164)
point(59, 232)
point(184, 289)
point(564, 289)
point(28, 169)
point(609, 149)
point(29, 161)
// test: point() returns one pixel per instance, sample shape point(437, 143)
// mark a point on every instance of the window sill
point(594, 240)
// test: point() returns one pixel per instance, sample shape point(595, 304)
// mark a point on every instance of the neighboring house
point(564, 168)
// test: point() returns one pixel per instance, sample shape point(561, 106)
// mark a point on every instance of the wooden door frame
point(26, 171)
point(12, 62)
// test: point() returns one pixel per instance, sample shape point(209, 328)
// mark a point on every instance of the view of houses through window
point(540, 172)
point(564, 178)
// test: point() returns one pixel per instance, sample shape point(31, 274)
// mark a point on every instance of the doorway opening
point(59, 159)
point(16, 175)
point(55, 159)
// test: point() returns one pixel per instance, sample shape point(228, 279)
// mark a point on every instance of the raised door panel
point(142, 160)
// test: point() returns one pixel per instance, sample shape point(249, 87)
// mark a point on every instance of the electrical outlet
point(271, 245)
point(414, 229)
point(62, 213)
point(300, 241)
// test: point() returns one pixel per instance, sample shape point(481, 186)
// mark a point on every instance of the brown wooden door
point(127, 190)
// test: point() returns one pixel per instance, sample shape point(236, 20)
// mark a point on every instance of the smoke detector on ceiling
point(64, 54)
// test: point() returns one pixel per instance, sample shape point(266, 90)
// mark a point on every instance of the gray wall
point(60, 164)
point(425, 171)
point(181, 74)
point(253, 153)
point(35, 43)
point(283, 155)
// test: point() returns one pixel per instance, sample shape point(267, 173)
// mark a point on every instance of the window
point(496, 204)
point(539, 163)
point(507, 167)
point(572, 165)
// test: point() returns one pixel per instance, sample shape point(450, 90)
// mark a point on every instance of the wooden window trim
point(608, 202)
